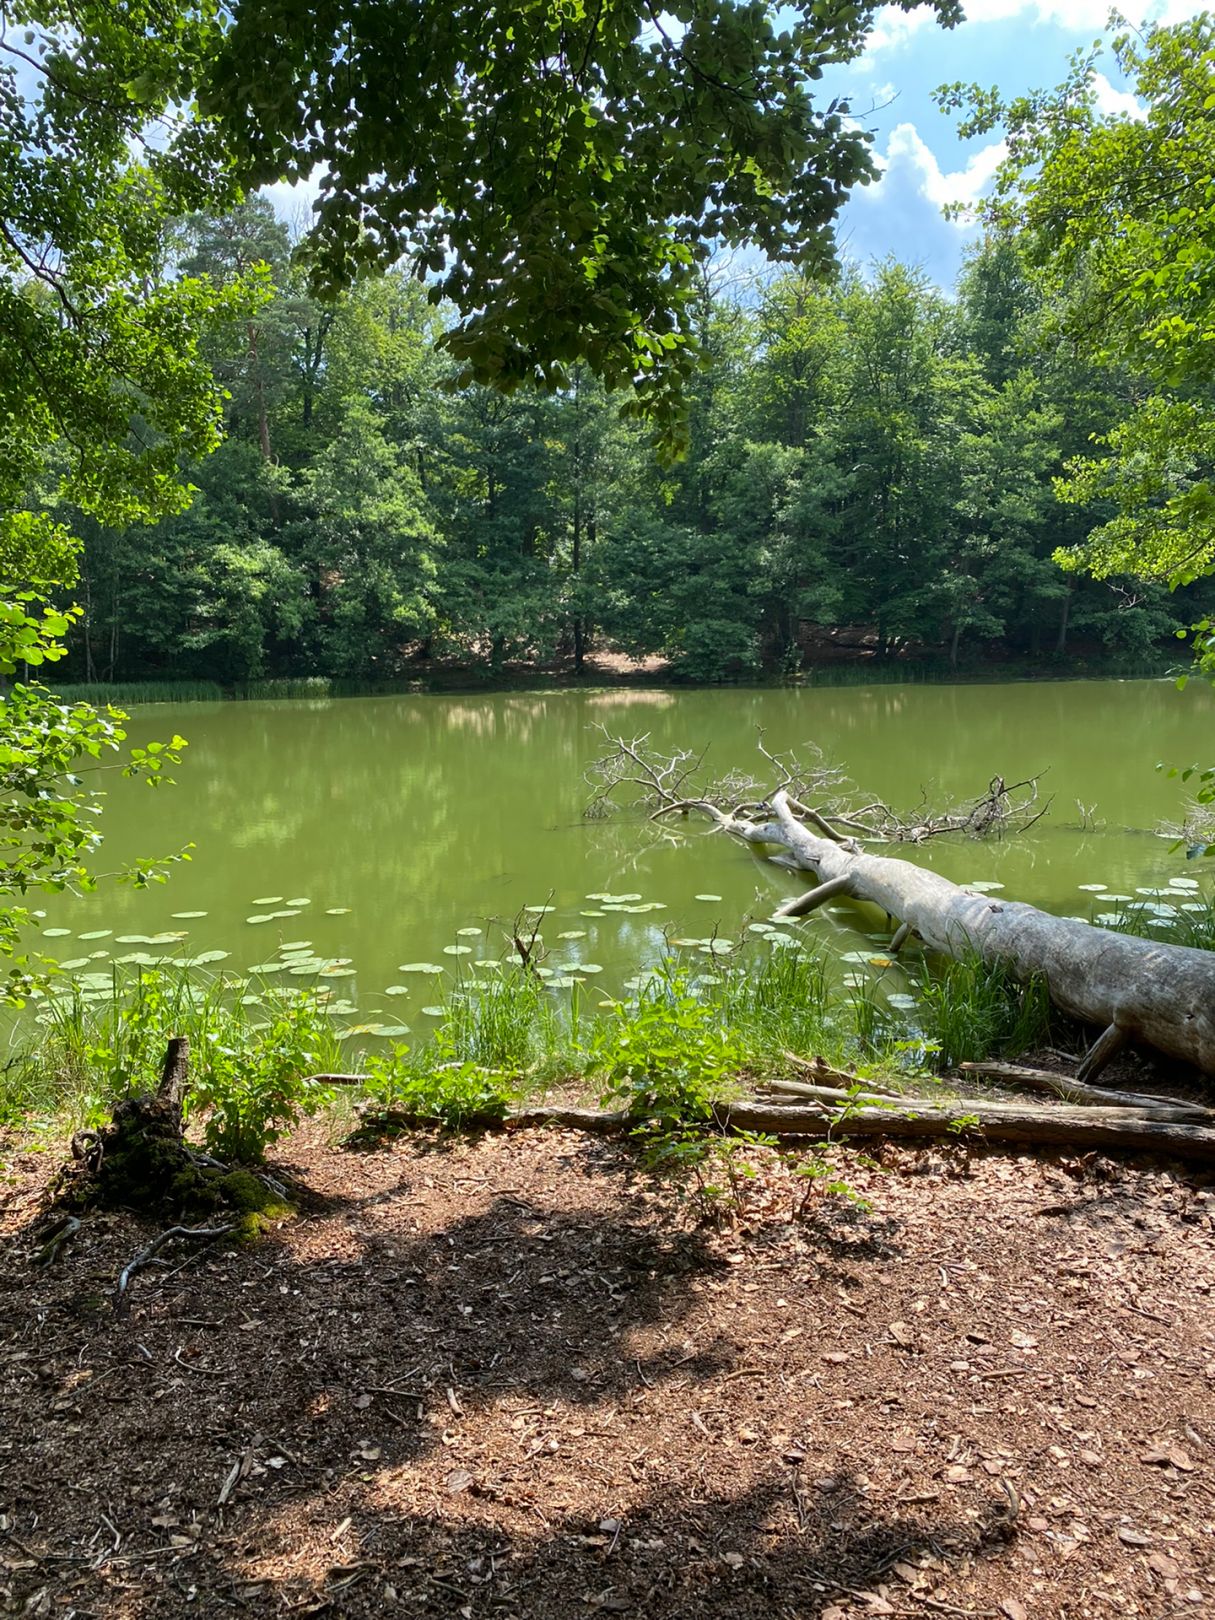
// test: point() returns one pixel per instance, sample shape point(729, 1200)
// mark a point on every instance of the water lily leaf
point(982, 886)
point(1174, 883)
point(599, 896)
point(310, 967)
point(457, 950)
point(337, 970)
point(76, 962)
point(592, 914)
point(539, 911)
point(342, 1008)
point(760, 928)
point(98, 933)
point(251, 1001)
point(901, 1000)
point(488, 962)
point(397, 990)
point(168, 938)
point(183, 916)
point(302, 901)
point(561, 981)
point(1093, 888)
point(573, 933)
point(269, 967)
point(260, 917)
point(418, 967)
point(337, 911)
point(137, 959)
point(269, 900)
point(60, 933)
point(586, 967)
point(386, 1031)
point(435, 1012)
point(295, 945)
point(212, 956)
point(100, 956)
point(291, 913)
point(712, 897)
point(469, 933)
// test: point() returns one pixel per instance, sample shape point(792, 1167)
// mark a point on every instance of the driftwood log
point(1085, 1130)
point(1163, 995)
point(1130, 988)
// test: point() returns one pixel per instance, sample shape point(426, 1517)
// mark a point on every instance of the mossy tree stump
point(142, 1161)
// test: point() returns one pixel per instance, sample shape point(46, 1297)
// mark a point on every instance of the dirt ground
point(513, 1378)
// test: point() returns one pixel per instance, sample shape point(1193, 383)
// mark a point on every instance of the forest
point(869, 477)
point(777, 1183)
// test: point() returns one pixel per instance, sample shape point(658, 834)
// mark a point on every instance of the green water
point(424, 815)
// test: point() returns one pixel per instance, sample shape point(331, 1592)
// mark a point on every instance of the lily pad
point(714, 898)
point(303, 901)
point(76, 962)
point(586, 967)
point(343, 1009)
point(56, 933)
point(293, 945)
point(337, 911)
point(261, 917)
point(488, 962)
point(269, 967)
point(901, 1000)
point(137, 959)
point(397, 990)
point(269, 900)
point(1092, 888)
point(183, 916)
point(457, 950)
point(1174, 883)
point(168, 938)
point(98, 933)
point(435, 1012)
point(539, 911)
point(573, 933)
point(418, 967)
point(98, 956)
point(592, 914)
point(984, 887)
point(470, 933)
point(337, 970)
point(385, 1031)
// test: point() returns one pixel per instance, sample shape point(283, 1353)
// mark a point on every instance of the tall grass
point(123, 694)
point(507, 1034)
point(91, 1051)
point(971, 1010)
point(1193, 928)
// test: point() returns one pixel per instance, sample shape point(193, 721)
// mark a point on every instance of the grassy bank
point(682, 1039)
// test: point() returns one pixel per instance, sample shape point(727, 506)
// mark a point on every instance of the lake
point(388, 825)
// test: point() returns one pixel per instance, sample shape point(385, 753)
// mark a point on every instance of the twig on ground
point(145, 1257)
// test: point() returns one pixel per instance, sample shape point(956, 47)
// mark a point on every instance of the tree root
point(145, 1257)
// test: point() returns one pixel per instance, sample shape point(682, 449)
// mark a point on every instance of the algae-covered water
point(364, 840)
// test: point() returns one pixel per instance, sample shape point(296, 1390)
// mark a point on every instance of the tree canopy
point(558, 172)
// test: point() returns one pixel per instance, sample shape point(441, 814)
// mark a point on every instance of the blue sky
point(1016, 44)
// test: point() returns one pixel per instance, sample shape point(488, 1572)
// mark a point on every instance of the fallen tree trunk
point(1163, 995)
point(1083, 1129)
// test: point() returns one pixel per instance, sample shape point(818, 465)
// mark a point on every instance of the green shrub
point(424, 1085)
point(667, 1056)
point(255, 1086)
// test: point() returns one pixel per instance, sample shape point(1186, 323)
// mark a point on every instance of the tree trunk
point(1081, 1128)
point(1163, 995)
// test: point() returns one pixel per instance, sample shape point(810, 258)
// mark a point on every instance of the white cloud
point(1114, 103)
point(894, 28)
point(908, 157)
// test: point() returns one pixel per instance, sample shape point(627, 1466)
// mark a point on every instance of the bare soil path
point(511, 1379)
